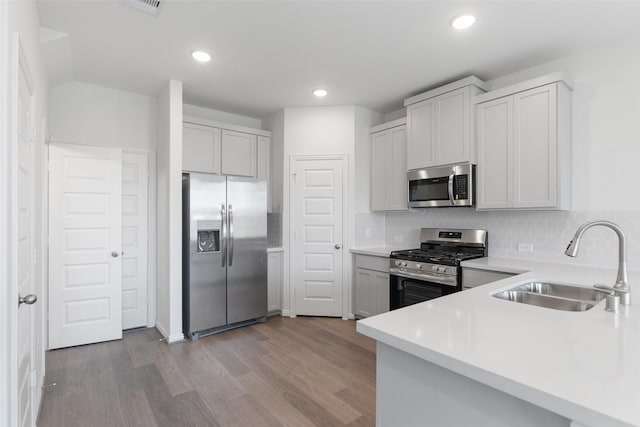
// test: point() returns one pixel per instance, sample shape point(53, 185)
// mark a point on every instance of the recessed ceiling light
point(320, 93)
point(463, 22)
point(201, 56)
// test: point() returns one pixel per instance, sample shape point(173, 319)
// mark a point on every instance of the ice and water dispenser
point(208, 236)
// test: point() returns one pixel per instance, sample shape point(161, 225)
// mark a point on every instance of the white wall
point(169, 309)
point(221, 116)
point(605, 153)
point(275, 123)
point(94, 115)
point(22, 18)
point(324, 131)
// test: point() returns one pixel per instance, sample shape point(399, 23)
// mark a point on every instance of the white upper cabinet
point(221, 148)
point(524, 146)
point(238, 153)
point(439, 130)
point(389, 166)
point(200, 148)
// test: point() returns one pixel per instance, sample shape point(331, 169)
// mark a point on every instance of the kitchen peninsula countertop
point(584, 366)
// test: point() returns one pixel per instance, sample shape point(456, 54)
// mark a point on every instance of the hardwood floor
point(284, 372)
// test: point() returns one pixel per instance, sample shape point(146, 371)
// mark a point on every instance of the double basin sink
point(554, 295)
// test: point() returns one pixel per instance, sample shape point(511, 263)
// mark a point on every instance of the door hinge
point(293, 175)
point(34, 134)
point(33, 256)
point(295, 234)
point(32, 379)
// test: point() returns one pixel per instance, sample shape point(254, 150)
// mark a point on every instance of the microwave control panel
point(461, 187)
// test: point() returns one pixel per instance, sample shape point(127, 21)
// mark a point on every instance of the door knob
point(337, 246)
point(28, 299)
point(114, 254)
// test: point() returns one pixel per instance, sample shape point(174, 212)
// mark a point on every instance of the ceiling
point(269, 55)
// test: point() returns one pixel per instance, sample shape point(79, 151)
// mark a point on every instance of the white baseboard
point(175, 338)
point(169, 338)
point(162, 330)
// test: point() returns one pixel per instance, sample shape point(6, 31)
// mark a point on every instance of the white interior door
point(135, 177)
point(85, 226)
point(24, 247)
point(318, 200)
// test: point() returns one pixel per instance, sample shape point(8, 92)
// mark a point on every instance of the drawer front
point(375, 263)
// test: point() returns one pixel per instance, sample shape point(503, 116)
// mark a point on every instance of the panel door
point(238, 153)
point(24, 249)
point(382, 291)
point(453, 127)
point(495, 154)
point(85, 226)
point(396, 163)
point(535, 148)
point(135, 167)
point(379, 171)
point(364, 295)
point(201, 148)
point(421, 134)
point(247, 249)
point(318, 201)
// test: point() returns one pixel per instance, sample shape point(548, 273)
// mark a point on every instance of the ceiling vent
point(148, 6)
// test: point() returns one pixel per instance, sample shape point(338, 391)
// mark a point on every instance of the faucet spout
point(621, 287)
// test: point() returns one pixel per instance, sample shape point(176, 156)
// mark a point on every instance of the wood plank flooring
point(285, 372)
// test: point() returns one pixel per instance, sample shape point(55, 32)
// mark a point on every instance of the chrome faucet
point(621, 288)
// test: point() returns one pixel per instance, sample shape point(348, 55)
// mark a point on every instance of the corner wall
point(169, 197)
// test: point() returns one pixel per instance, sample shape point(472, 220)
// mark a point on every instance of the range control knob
point(434, 268)
point(419, 266)
point(404, 264)
point(442, 269)
point(398, 263)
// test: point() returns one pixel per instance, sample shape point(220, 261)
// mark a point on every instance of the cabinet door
point(382, 292)
point(396, 164)
point(364, 293)
point(420, 134)
point(452, 127)
point(263, 161)
point(379, 171)
point(238, 153)
point(535, 148)
point(495, 153)
point(200, 148)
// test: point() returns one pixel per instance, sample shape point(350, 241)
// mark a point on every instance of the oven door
point(407, 291)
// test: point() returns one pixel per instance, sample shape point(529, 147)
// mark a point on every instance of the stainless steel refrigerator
point(224, 252)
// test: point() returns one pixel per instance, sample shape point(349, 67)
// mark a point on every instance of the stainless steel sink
point(563, 291)
point(554, 295)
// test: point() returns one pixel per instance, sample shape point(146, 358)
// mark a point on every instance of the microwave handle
point(451, 190)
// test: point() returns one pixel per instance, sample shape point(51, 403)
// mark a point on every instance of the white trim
point(228, 126)
point(559, 76)
point(170, 339)
point(346, 241)
point(467, 81)
point(388, 125)
point(5, 291)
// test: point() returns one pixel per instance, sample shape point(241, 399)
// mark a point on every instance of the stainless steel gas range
point(433, 270)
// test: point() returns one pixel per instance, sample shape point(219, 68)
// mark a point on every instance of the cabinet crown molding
point(222, 125)
point(388, 125)
point(467, 81)
point(557, 77)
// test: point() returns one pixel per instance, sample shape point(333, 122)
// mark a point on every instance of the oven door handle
point(442, 280)
point(450, 186)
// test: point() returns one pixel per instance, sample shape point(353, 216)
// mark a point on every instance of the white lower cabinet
point(274, 281)
point(371, 290)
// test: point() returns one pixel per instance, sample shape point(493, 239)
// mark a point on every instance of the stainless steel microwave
point(442, 186)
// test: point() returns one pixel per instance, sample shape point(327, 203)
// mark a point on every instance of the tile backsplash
point(548, 232)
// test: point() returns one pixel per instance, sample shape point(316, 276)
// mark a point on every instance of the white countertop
point(381, 251)
point(582, 365)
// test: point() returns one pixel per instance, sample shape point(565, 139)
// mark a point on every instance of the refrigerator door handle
point(223, 240)
point(230, 235)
